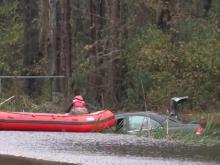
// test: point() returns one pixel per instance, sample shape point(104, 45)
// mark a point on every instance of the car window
point(120, 125)
point(142, 123)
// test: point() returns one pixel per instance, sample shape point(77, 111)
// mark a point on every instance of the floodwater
point(100, 149)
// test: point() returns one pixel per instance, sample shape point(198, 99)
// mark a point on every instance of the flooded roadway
point(104, 149)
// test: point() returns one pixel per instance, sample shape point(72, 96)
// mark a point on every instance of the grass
point(191, 138)
point(208, 137)
point(26, 104)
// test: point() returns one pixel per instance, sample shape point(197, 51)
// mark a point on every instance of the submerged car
point(136, 122)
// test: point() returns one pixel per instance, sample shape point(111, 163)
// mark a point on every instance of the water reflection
point(100, 149)
point(162, 150)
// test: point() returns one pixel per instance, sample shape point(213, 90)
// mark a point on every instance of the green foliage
point(201, 62)
point(184, 60)
point(191, 138)
point(188, 66)
point(83, 72)
point(214, 13)
point(35, 108)
point(150, 59)
point(11, 45)
point(208, 137)
point(11, 37)
point(209, 127)
point(188, 138)
point(160, 134)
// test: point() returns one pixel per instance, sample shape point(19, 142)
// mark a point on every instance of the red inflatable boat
point(21, 121)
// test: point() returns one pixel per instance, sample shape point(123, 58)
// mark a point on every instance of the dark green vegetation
point(210, 135)
point(119, 54)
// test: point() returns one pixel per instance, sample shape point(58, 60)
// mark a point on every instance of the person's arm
point(69, 109)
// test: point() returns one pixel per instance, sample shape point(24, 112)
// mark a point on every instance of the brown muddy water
point(44, 148)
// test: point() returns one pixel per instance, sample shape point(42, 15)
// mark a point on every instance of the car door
point(177, 126)
point(141, 123)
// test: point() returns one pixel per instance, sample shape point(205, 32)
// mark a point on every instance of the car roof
point(156, 116)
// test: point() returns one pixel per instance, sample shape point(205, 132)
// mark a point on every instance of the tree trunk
point(110, 78)
point(44, 26)
point(31, 45)
point(94, 78)
point(66, 41)
point(52, 45)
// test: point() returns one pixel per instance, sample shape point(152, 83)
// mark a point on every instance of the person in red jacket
point(78, 106)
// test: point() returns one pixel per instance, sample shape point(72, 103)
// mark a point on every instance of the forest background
point(127, 55)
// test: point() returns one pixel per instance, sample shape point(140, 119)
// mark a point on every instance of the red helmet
point(78, 98)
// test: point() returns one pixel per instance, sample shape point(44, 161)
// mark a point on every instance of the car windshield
point(137, 123)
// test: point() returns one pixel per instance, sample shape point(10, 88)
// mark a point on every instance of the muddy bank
point(10, 160)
